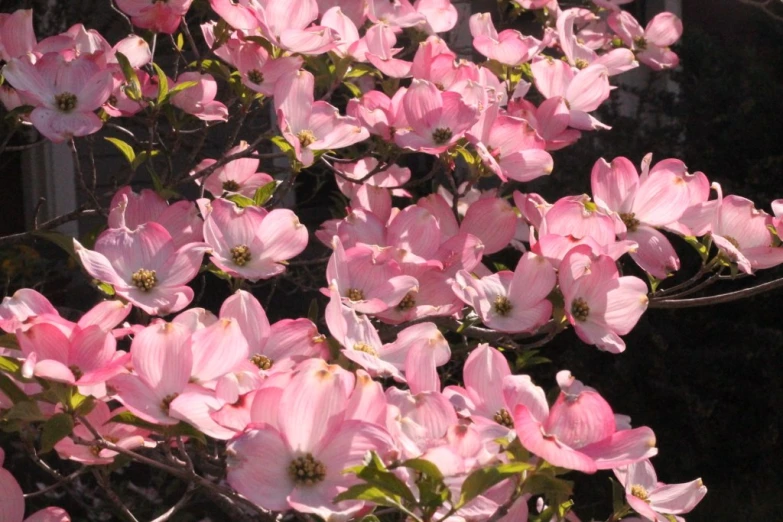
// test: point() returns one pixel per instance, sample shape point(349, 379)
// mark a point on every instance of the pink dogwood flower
point(310, 125)
point(65, 93)
point(742, 234)
point(511, 301)
point(17, 36)
point(582, 92)
point(144, 266)
point(238, 176)
point(199, 100)
point(599, 303)
point(652, 43)
point(252, 243)
point(654, 200)
point(160, 16)
point(129, 210)
point(509, 47)
point(579, 431)
point(437, 119)
point(655, 500)
point(296, 460)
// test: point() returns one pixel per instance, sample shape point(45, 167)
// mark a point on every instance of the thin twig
point(718, 299)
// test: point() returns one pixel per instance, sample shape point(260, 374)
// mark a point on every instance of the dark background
point(708, 381)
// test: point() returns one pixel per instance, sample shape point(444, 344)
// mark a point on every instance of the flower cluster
point(400, 394)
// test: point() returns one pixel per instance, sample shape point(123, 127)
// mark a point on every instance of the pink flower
point(511, 301)
point(296, 460)
point(650, 44)
point(65, 93)
point(252, 243)
point(199, 100)
point(160, 16)
point(368, 281)
point(509, 47)
point(655, 200)
point(580, 56)
point(579, 431)
point(86, 357)
point(599, 303)
point(583, 91)
point(654, 500)
point(129, 210)
point(491, 393)
point(144, 266)
point(260, 72)
point(238, 176)
point(437, 119)
point(309, 125)
point(12, 501)
point(286, 23)
point(742, 234)
point(17, 37)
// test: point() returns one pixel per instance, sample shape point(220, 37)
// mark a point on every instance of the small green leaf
point(133, 89)
point(180, 41)
point(375, 473)
point(240, 200)
point(106, 288)
point(181, 87)
point(130, 419)
point(6, 363)
point(55, 429)
point(282, 144)
point(367, 493)
point(618, 495)
point(126, 150)
point(355, 91)
point(370, 518)
point(186, 430)
point(27, 411)
point(59, 239)
point(312, 310)
point(424, 466)
point(212, 269)
point(263, 193)
point(142, 157)
point(484, 478)
point(163, 83)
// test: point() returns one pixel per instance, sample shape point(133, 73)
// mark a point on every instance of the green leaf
point(55, 429)
point(142, 157)
point(106, 288)
point(376, 474)
point(181, 87)
point(186, 430)
point(370, 518)
point(133, 89)
point(180, 41)
point(618, 495)
point(484, 478)
point(58, 238)
point(27, 411)
point(130, 419)
point(163, 83)
point(263, 193)
point(355, 91)
point(282, 144)
point(423, 466)
point(312, 310)
point(369, 493)
point(81, 404)
point(212, 269)
point(549, 486)
point(6, 363)
point(701, 248)
point(240, 200)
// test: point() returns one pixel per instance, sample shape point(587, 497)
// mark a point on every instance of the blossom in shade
point(655, 500)
point(65, 93)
